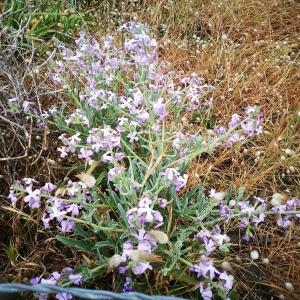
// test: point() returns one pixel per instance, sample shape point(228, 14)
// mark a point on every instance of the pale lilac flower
point(162, 202)
point(63, 151)
point(141, 267)
point(284, 222)
point(12, 197)
point(56, 211)
point(74, 209)
point(69, 270)
point(115, 171)
point(127, 248)
point(244, 222)
point(175, 178)
point(228, 280)
point(46, 219)
point(29, 181)
point(209, 246)
point(64, 296)
point(33, 198)
point(48, 187)
point(67, 226)
point(132, 137)
point(235, 120)
point(205, 268)
point(119, 156)
point(127, 287)
point(34, 280)
point(279, 208)
point(160, 109)
point(145, 201)
point(225, 211)
point(143, 116)
point(234, 138)
point(50, 280)
point(206, 292)
point(76, 278)
point(203, 235)
point(256, 220)
point(56, 275)
point(85, 153)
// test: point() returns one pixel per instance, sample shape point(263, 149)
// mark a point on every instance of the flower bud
point(277, 199)
point(254, 255)
point(289, 286)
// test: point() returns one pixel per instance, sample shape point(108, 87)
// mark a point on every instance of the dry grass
point(249, 51)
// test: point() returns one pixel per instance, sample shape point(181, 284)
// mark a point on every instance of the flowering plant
point(131, 207)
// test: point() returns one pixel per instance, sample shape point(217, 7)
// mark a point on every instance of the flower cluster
point(55, 278)
point(206, 270)
point(244, 128)
point(59, 204)
point(144, 213)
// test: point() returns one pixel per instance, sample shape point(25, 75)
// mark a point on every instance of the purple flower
point(64, 296)
point(145, 201)
point(86, 153)
point(33, 198)
point(203, 235)
point(67, 226)
point(175, 178)
point(127, 248)
point(206, 293)
point(256, 220)
point(285, 222)
point(122, 270)
point(63, 151)
point(48, 187)
point(12, 197)
point(279, 208)
point(69, 270)
point(234, 138)
point(29, 181)
point(209, 246)
point(162, 202)
point(205, 268)
point(127, 287)
point(50, 280)
point(74, 209)
point(228, 280)
point(76, 278)
point(225, 211)
point(46, 219)
point(34, 280)
point(56, 275)
point(160, 109)
point(235, 120)
point(244, 223)
point(115, 171)
point(141, 267)
point(132, 137)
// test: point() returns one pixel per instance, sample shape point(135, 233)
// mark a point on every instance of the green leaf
point(183, 277)
point(224, 248)
point(104, 244)
point(85, 246)
point(79, 231)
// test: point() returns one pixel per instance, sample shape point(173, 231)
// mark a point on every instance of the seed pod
point(226, 266)
point(254, 255)
point(277, 199)
point(289, 286)
point(159, 236)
